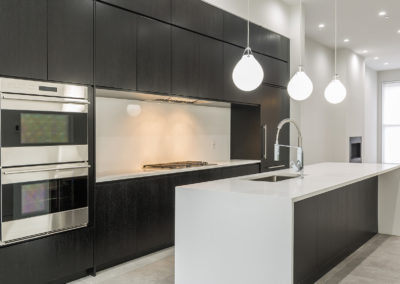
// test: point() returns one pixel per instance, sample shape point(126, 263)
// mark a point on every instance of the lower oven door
point(43, 199)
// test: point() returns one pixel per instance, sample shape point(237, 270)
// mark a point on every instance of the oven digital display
point(34, 198)
point(39, 128)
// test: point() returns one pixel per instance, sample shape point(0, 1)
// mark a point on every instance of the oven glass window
point(40, 128)
point(34, 198)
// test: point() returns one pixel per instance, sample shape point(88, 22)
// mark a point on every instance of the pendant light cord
point(248, 23)
point(301, 29)
point(335, 38)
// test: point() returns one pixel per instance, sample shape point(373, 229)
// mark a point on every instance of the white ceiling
point(358, 20)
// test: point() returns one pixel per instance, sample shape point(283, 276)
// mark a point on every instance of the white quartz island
point(237, 230)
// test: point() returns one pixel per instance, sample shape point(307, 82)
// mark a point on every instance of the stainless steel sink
point(275, 178)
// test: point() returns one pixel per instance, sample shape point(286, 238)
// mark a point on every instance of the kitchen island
point(293, 231)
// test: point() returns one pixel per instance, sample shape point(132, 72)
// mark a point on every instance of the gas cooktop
point(177, 165)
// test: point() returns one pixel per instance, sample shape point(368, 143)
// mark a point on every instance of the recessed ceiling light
point(398, 31)
point(382, 13)
point(346, 40)
point(386, 63)
point(321, 26)
point(365, 51)
point(376, 58)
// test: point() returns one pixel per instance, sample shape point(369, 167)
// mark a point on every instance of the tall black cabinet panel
point(153, 56)
point(235, 29)
point(198, 16)
point(155, 214)
point(115, 47)
point(70, 41)
point(23, 38)
point(276, 72)
point(197, 65)
point(159, 9)
point(115, 226)
point(274, 108)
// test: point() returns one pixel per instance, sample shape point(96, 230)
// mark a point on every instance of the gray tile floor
point(378, 262)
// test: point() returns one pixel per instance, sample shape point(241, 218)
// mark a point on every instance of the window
point(391, 122)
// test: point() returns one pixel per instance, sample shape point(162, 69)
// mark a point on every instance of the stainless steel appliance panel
point(17, 156)
point(19, 230)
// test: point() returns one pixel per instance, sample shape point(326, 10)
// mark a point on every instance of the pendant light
point(248, 73)
point(300, 86)
point(335, 92)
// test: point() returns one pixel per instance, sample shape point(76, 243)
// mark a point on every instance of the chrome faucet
point(299, 165)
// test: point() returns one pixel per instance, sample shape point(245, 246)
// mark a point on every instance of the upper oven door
point(43, 130)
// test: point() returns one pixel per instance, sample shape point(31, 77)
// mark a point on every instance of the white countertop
point(111, 176)
point(318, 178)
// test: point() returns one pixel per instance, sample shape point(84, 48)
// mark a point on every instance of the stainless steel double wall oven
point(44, 158)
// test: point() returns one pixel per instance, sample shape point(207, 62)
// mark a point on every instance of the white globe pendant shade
point(335, 92)
point(300, 86)
point(248, 73)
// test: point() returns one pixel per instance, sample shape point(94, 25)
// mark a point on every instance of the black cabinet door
point(115, 47)
point(197, 65)
point(185, 63)
point(198, 16)
point(331, 227)
point(159, 9)
point(70, 41)
point(275, 106)
point(305, 239)
point(23, 37)
point(155, 214)
point(276, 72)
point(115, 222)
point(268, 42)
point(235, 29)
point(53, 259)
point(211, 68)
point(153, 56)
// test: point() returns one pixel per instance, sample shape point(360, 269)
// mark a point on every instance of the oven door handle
point(44, 99)
point(6, 172)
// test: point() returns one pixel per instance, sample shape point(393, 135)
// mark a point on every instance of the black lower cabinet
point(330, 226)
point(43, 260)
point(137, 216)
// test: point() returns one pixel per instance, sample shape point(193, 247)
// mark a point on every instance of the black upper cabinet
point(23, 37)
point(235, 29)
point(261, 39)
point(198, 16)
point(115, 47)
point(159, 9)
point(197, 65)
point(70, 41)
point(153, 56)
point(276, 72)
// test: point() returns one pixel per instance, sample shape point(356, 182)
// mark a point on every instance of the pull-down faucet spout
point(299, 164)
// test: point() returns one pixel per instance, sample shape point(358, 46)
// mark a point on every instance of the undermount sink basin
point(275, 178)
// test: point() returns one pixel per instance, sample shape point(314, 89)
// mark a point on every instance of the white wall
point(161, 133)
point(384, 76)
point(326, 128)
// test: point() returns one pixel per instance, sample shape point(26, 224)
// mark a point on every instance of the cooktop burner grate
point(177, 165)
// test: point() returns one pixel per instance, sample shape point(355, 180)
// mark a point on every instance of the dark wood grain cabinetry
point(198, 16)
point(135, 217)
point(197, 65)
point(330, 226)
point(275, 106)
point(115, 47)
point(153, 56)
point(70, 41)
point(53, 259)
point(158, 9)
point(23, 37)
